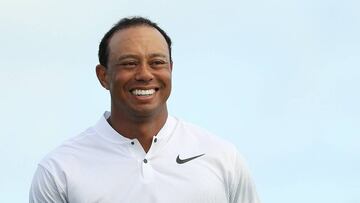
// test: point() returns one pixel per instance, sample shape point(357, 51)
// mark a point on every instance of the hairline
point(107, 53)
point(140, 24)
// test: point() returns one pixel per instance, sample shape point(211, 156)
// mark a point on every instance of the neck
point(143, 128)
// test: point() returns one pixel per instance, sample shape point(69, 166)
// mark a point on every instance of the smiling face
point(138, 73)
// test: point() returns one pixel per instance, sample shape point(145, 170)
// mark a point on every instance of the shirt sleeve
point(45, 189)
point(242, 189)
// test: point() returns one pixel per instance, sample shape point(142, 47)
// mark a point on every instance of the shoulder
point(67, 152)
point(202, 134)
point(225, 160)
point(50, 179)
point(206, 140)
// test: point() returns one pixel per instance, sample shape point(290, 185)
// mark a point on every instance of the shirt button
point(155, 140)
point(145, 160)
point(132, 143)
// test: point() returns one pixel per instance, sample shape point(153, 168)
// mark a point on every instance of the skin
point(138, 59)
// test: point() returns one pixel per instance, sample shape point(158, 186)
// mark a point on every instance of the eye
point(157, 62)
point(128, 64)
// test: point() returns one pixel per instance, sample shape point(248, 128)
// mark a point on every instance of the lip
point(144, 88)
point(144, 99)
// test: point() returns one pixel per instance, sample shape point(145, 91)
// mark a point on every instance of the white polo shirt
point(184, 164)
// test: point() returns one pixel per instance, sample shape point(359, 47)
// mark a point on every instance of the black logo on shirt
point(182, 161)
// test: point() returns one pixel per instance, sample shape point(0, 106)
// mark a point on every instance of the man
point(137, 152)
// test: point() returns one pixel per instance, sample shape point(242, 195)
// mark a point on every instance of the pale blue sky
point(279, 78)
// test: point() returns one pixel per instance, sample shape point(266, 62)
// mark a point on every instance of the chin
point(148, 111)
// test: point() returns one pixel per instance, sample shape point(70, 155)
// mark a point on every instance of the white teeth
point(138, 92)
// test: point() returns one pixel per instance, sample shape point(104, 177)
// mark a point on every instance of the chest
point(158, 179)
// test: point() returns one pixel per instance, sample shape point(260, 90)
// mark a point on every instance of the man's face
point(138, 75)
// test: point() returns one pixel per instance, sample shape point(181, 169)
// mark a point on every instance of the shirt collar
point(103, 128)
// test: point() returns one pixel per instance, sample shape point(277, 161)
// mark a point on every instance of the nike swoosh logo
point(182, 161)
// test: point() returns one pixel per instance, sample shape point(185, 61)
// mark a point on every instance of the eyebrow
point(157, 55)
point(136, 56)
point(127, 56)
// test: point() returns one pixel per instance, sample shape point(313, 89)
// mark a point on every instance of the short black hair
point(123, 24)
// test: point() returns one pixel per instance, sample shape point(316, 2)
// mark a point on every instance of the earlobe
point(101, 75)
point(171, 66)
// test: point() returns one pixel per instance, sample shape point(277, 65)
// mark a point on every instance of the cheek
point(118, 82)
point(166, 76)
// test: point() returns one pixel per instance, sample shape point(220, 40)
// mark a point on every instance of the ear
point(101, 75)
point(171, 66)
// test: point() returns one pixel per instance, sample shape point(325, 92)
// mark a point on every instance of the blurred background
point(278, 78)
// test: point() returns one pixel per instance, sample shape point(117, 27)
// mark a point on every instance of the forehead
point(137, 39)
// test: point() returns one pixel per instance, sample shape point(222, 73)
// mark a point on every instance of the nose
point(143, 73)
